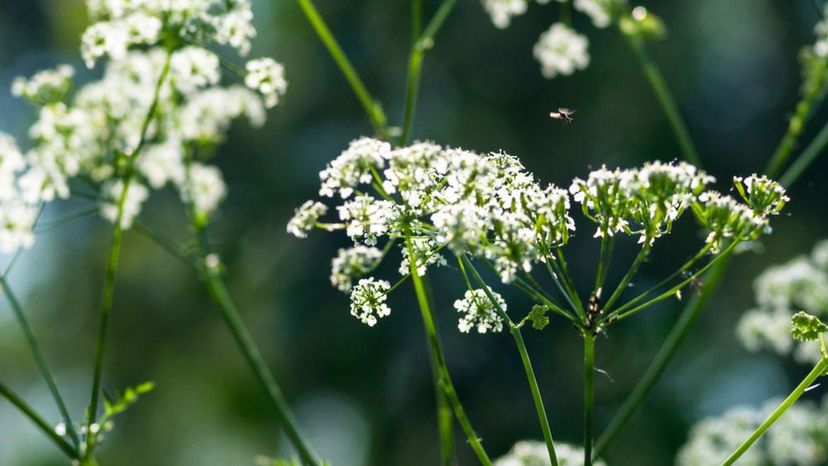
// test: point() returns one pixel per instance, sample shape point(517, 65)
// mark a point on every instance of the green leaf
point(117, 405)
point(807, 327)
point(538, 316)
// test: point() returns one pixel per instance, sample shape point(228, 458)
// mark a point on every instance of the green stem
point(604, 258)
point(445, 420)
point(813, 88)
point(42, 365)
point(38, 421)
point(422, 42)
point(218, 292)
point(569, 283)
point(625, 281)
point(665, 97)
point(589, 398)
point(217, 289)
point(112, 263)
point(540, 409)
point(665, 354)
point(818, 370)
point(814, 150)
point(438, 357)
point(371, 106)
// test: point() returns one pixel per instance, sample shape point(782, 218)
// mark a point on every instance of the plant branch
point(38, 421)
point(540, 409)
point(663, 357)
point(589, 393)
point(665, 97)
point(811, 153)
point(369, 104)
point(818, 370)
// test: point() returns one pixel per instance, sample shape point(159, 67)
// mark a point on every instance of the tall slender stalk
point(540, 409)
point(422, 42)
point(625, 281)
point(211, 276)
point(112, 263)
point(811, 153)
point(665, 97)
point(816, 372)
point(437, 351)
point(38, 421)
point(589, 391)
point(371, 106)
point(663, 357)
point(42, 365)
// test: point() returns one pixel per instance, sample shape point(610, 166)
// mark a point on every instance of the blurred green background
point(363, 395)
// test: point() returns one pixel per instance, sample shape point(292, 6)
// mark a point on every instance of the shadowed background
point(363, 395)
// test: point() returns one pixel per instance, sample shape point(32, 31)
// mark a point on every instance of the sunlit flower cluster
point(430, 200)
point(534, 453)
point(478, 312)
point(781, 291)
point(797, 438)
point(151, 118)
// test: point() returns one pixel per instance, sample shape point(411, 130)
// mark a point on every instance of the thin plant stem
point(68, 218)
point(38, 421)
point(422, 42)
point(604, 259)
point(663, 357)
point(813, 89)
point(816, 372)
point(589, 393)
point(211, 276)
point(624, 312)
point(439, 358)
point(665, 97)
point(164, 242)
point(42, 365)
point(112, 264)
point(445, 419)
point(811, 153)
point(568, 282)
point(540, 409)
point(625, 281)
point(556, 274)
point(369, 104)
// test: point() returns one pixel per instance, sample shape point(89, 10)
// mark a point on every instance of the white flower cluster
point(820, 48)
point(797, 438)
point(561, 51)
point(122, 24)
point(477, 312)
point(491, 208)
point(368, 300)
point(353, 262)
point(781, 291)
point(102, 133)
point(534, 453)
point(17, 216)
point(46, 86)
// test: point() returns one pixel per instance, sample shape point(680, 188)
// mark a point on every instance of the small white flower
point(561, 51)
point(266, 77)
point(598, 11)
point(305, 218)
point(368, 299)
point(535, 453)
point(112, 193)
point(46, 86)
point(367, 218)
point(478, 312)
point(425, 254)
point(194, 68)
point(16, 222)
point(353, 263)
point(205, 189)
point(353, 167)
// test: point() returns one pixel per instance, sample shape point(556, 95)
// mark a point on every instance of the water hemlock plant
point(168, 94)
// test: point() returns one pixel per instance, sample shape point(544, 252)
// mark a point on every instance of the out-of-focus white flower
point(353, 263)
point(305, 218)
point(781, 291)
point(205, 189)
point(266, 77)
point(502, 11)
point(797, 438)
point(561, 51)
point(46, 86)
point(535, 453)
point(599, 11)
point(368, 299)
point(112, 193)
point(194, 68)
point(16, 223)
